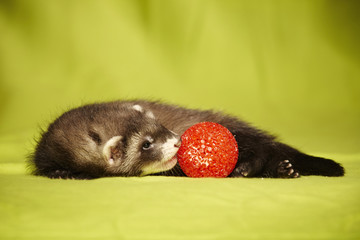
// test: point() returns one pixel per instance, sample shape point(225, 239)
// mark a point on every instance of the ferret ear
point(112, 150)
point(148, 113)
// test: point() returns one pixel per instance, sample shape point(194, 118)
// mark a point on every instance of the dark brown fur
point(63, 150)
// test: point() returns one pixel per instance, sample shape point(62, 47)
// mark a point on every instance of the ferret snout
point(178, 144)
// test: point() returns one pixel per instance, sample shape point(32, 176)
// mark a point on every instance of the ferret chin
point(137, 138)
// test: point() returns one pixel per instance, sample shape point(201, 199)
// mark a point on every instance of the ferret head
point(106, 140)
point(144, 147)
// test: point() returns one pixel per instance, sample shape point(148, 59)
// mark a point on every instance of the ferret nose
point(178, 144)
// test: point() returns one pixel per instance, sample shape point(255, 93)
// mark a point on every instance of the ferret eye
point(146, 145)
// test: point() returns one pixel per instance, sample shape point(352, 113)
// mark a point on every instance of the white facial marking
point(111, 161)
point(169, 158)
point(169, 149)
point(107, 148)
point(150, 139)
point(149, 114)
point(138, 108)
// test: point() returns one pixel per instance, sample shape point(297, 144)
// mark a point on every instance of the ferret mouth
point(170, 163)
point(160, 166)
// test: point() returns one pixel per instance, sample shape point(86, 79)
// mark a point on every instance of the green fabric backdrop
point(290, 67)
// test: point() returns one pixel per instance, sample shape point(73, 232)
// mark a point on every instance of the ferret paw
point(60, 174)
point(242, 170)
point(286, 170)
point(64, 174)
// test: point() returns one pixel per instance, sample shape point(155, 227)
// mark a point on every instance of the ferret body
point(137, 138)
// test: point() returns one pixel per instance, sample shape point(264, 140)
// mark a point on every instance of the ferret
point(139, 137)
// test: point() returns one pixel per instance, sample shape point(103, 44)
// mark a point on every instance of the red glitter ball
point(207, 150)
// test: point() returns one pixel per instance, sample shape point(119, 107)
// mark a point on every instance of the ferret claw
point(286, 170)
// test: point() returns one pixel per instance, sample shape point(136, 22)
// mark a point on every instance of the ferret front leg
point(65, 174)
point(248, 165)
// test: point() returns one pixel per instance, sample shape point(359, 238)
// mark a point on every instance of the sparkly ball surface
point(207, 150)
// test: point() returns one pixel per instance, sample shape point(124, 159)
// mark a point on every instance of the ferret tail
point(311, 165)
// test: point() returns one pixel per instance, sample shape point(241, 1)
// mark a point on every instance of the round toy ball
point(207, 150)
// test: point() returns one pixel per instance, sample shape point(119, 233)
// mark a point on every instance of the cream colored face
point(143, 155)
point(168, 160)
